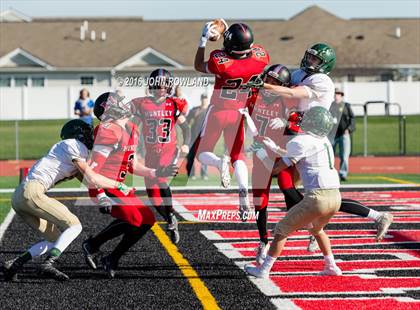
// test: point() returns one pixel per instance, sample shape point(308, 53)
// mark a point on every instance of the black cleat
point(47, 269)
point(109, 266)
point(173, 229)
point(11, 268)
point(89, 254)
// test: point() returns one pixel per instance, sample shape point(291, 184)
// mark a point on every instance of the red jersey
point(123, 141)
point(263, 112)
point(159, 120)
point(231, 73)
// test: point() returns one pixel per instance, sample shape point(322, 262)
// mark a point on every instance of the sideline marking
point(397, 180)
point(200, 289)
point(7, 220)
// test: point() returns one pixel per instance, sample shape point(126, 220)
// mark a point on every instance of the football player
point(49, 217)
point(311, 86)
point(114, 155)
point(239, 62)
point(159, 113)
point(312, 155)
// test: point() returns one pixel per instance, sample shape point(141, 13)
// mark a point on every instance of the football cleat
point(224, 171)
point(331, 270)
point(243, 205)
point(382, 225)
point(11, 268)
point(173, 229)
point(89, 254)
point(47, 269)
point(312, 245)
point(257, 272)
point(109, 266)
point(261, 250)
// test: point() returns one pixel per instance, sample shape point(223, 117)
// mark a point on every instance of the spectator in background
point(195, 119)
point(84, 106)
point(344, 126)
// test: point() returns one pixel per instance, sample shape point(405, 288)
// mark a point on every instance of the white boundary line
point(219, 189)
point(8, 219)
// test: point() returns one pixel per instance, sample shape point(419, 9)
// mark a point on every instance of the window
point(21, 81)
point(385, 77)
point(5, 82)
point(87, 80)
point(351, 77)
point(38, 82)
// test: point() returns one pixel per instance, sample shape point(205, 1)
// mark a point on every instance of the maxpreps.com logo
point(225, 215)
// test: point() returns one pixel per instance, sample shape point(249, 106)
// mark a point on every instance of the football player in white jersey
point(311, 83)
point(49, 217)
point(312, 86)
point(313, 156)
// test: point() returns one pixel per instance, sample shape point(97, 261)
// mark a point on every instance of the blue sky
point(197, 9)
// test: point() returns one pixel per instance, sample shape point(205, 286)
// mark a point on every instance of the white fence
point(19, 103)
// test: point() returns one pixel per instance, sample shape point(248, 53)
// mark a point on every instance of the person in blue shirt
point(84, 107)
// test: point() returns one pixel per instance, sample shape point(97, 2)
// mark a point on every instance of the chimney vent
point(398, 32)
point(92, 35)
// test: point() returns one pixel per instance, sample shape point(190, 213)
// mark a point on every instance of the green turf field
point(383, 135)
point(36, 137)
point(4, 205)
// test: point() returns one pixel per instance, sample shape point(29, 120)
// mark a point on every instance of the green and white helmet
point(322, 51)
point(317, 121)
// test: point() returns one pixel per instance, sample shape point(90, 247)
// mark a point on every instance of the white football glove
point(277, 123)
point(209, 30)
point(271, 145)
point(105, 203)
point(251, 125)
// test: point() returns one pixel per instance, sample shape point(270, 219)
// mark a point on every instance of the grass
point(5, 205)
point(383, 135)
point(37, 136)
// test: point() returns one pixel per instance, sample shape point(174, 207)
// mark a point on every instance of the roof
point(358, 42)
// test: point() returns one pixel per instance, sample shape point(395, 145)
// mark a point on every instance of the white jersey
point(314, 159)
point(58, 164)
point(319, 86)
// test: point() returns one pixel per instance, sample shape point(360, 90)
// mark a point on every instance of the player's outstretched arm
point(299, 92)
point(199, 63)
point(93, 178)
point(141, 170)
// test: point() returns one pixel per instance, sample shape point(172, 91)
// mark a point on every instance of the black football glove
point(167, 171)
point(255, 83)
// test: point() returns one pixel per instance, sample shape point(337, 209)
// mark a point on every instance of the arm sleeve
point(106, 139)
point(213, 65)
point(77, 106)
point(75, 150)
point(320, 85)
point(295, 152)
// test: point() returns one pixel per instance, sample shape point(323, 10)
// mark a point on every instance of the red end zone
point(374, 276)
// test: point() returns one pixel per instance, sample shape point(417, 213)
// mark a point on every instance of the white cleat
point(312, 245)
point(244, 207)
point(382, 225)
point(224, 171)
point(331, 271)
point(261, 250)
point(257, 272)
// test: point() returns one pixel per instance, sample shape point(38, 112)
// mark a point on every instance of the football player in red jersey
point(269, 113)
point(239, 62)
point(114, 155)
point(159, 113)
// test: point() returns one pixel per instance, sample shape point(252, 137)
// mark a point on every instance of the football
point(221, 27)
